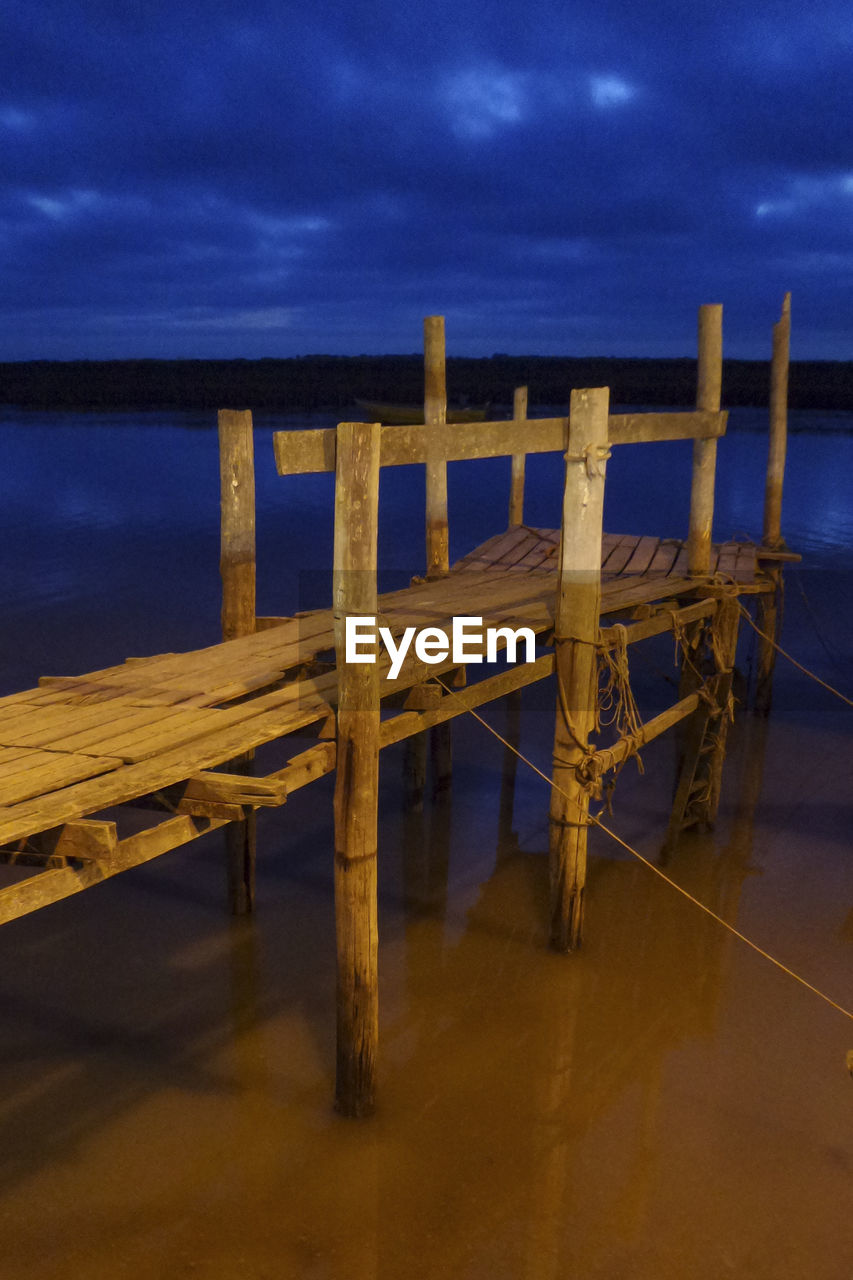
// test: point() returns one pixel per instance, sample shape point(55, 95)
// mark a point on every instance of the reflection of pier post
point(414, 770)
point(734, 863)
point(507, 842)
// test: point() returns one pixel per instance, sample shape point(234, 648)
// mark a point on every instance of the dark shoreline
point(309, 383)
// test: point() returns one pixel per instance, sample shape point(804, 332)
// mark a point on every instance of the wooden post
point(708, 390)
point(778, 427)
point(575, 633)
point(357, 778)
point(237, 543)
point(516, 493)
point(769, 602)
point(435, 416)
point(237, 567)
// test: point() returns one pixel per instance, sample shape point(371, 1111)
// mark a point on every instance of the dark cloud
point(256, 179)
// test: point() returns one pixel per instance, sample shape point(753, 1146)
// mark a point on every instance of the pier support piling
point(575, 634)
point(708, 391)
point(770, 602)
point(519, 460)
point(237, 568)
point(357, 777)
point(435, 417)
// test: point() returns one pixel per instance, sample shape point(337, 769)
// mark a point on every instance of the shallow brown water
point(663, 1104)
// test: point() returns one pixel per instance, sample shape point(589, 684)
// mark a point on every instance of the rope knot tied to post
point(593, 458)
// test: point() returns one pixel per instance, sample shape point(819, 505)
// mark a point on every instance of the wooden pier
point(172, 737)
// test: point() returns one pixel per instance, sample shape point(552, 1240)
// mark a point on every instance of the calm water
point(663, 1104)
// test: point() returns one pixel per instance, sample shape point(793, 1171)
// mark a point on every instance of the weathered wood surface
point(357, 773)
point(303, 452)
point(435, 418)
point(778, 427)
point(77, 745)
point(578, 608)
point(237, 567)
point(708, 389)
point(237, 524)
point(61, 882)
point(519, 460)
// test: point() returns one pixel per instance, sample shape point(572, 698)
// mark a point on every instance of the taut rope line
point(651, 866)
point(792, 660)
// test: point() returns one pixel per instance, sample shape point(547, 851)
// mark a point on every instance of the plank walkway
point(175, 734)
point(79, 745)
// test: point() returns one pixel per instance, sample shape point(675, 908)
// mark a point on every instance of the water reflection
point(652, 1107)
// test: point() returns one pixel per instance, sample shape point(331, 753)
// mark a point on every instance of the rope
point(793, 660)
point(591, 819)
point(593, 458)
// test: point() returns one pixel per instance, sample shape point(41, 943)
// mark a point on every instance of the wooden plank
point(620, 555)
point(301, 452)
point(663, 558)
point(60, 770)
point(658, 623)
point(38, 727)
point(87, 840)
point(645, 428)
point(642, 555)
point(462, 700)
point(14, 760)
point(726, 554)
point(681, 563)
point(51, 886)
point(307, 766)
point(747, 563)
point(236, 789)
point(609, 757)
point(275, 718)
point(609, 543)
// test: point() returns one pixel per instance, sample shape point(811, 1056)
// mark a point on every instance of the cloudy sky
point(213, 178)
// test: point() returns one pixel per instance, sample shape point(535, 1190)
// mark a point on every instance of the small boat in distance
point(408, 414)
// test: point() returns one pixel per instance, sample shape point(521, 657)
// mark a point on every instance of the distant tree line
point(333, 382)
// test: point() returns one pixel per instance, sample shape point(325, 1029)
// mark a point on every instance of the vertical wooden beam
point(770, 602)
point(778, 427)
point(708, 390)
point(357, 779)
point(435, 416)
point(237, 542)
point(575, 633)
point(237, 567)
point(516, 493)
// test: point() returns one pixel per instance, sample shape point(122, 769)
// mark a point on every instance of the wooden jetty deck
point(173, 735)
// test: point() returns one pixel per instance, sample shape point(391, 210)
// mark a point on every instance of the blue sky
point(223, 179)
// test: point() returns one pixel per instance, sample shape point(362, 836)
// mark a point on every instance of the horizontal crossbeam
point(300, 452)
